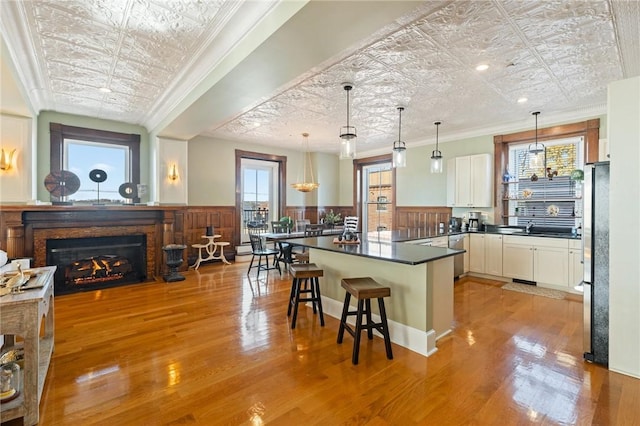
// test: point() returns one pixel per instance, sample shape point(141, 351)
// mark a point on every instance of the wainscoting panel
point(426, 218)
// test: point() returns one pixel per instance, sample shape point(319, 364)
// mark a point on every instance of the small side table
point(174, 260)
point(211, 247)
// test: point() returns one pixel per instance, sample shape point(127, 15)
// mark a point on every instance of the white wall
point(16, 183)
point(624, 234)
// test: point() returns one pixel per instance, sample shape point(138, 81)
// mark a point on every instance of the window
point(82, 150)
point(541, 191)
point(568, 146)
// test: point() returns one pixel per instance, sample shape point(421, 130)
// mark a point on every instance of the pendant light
point(307, 185)
point(399, 147)
point(436, 156)
point(348, 133)
point(536, 150)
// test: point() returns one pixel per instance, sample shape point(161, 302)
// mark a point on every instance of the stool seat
point(305, 270)
point(364, 289)
point(302, 257)
point(305, 281)
point(198, 245)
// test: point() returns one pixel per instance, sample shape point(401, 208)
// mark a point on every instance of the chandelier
point(399, 147)
point(348, 133)
point(306, 185)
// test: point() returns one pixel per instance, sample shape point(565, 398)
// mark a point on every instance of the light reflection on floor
point(534, 382)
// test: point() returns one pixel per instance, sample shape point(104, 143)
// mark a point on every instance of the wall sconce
point(6, 159)
point(173, 172)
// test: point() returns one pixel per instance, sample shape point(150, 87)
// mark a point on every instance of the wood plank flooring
point(217, 349)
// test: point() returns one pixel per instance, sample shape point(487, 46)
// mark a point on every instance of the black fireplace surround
point(95, 263)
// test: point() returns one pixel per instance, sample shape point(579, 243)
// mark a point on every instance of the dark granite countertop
point(406, 235)
point(379, 248)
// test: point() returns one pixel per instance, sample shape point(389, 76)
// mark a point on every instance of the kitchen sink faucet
point(529, 226)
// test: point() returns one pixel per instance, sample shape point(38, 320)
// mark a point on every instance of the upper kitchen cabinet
point(470, 181)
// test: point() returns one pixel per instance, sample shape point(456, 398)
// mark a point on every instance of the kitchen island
point(420, 309)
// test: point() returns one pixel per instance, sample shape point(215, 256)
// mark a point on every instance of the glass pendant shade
point(536, 151)
point(348, 133)
point(347, 148)
point(436, 155)
point(307, 184)
point(399, 147)
point(399, 154)
point(436, 162)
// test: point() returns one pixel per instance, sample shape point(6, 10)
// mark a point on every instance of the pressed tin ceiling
point(559, 54)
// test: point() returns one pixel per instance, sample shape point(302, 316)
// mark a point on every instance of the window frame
point(589, 130)
point(60, 132)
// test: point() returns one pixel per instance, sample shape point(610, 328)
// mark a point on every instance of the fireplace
point(96, 263)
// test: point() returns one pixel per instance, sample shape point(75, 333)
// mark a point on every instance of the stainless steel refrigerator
point(595, 241)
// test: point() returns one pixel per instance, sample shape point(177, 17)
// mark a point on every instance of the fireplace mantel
point(25, 229)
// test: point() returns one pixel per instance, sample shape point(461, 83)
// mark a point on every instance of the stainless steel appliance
point(457, 242)
point(455, 223)
point(474, 220)
point(595, 241)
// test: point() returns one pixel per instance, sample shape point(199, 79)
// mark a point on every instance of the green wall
point(212, 174)
point(44, 145)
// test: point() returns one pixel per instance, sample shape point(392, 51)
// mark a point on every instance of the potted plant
point(331, 218)
point(287, 222)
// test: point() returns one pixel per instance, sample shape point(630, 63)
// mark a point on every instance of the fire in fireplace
point(94, 263)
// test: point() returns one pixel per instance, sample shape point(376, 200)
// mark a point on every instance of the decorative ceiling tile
point(561, 54)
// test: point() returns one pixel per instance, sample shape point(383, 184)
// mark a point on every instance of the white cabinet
point(440, 242)
point(575, 263)
point(493, 254)
point(469, 181)
point(466, 253)
point(543, 260)
point(476, 253)
point(485, 254)
point(517, 260)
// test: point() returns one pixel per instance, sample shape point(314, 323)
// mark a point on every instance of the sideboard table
point(21, 315)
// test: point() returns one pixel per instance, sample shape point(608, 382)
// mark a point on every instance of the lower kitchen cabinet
point(476, 253)
point(517, 259)
point(485, 254)
point(576, 268)
point(466, 253)
point(493, 254)
point(543, 260)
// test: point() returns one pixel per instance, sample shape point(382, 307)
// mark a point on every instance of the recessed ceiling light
point(105, 90)
point(522, 100)
point(482, 67)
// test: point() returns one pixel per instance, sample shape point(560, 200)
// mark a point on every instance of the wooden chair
point(310, 230)
point(301, 223)
point(259, 248)
point(351, 223)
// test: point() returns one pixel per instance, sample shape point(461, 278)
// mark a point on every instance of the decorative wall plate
point(98, 175)
point(128, 190)
point(61, 183)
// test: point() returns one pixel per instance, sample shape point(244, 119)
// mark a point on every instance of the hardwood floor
point(217, 349)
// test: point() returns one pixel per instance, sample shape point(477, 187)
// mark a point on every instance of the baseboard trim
point(411, 338)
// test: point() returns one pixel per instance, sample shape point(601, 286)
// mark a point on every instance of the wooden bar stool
point(364, 289)
point(305, 281)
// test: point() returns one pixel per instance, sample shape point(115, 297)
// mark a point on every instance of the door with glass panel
point(259, 196)
point(377, 197)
